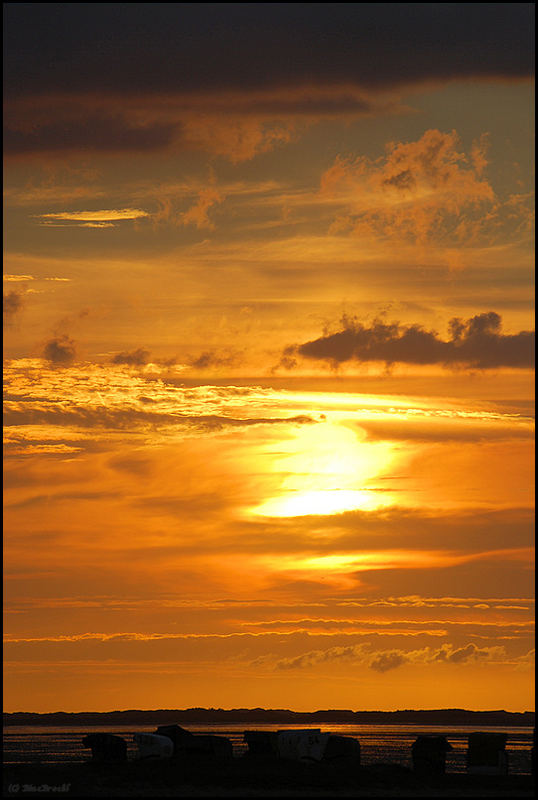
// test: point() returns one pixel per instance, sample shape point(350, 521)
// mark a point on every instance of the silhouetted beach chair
point(150, 745)
point(261, 743)
point(343, 750)
point(486, 754)
point(429, 755)
point(178, 735)
point(106, 747)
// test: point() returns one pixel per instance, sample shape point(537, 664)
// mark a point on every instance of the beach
point(54, 760)
point(251, 778)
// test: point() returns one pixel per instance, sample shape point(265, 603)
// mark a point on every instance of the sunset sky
point(268, 355)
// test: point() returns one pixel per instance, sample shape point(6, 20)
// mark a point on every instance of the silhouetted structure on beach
point(106, 748)
point(343, 750)
point(261, 743)
point(151, 745)
point(304, 745)
point(196, 747)
point(216, 748)
point(486, 754)
point(275, 753)
point(429, 755)
point(179, 736)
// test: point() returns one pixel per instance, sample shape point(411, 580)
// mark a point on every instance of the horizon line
point(281, 710)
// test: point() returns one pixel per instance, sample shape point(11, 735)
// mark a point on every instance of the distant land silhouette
point(250, 716)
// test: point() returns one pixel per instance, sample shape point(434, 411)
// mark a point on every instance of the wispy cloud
point(116, 397)
point(91, 219)
point(386, 660)
point(198, 213)
point(18, 278)
point(26, 278)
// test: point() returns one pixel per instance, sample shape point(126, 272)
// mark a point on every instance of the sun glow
point(371, 560)
point(327, 469)
point(321, 502)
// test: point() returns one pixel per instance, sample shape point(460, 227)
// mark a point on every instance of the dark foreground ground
point(250, 777)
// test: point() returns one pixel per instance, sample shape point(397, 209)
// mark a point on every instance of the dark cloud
point(460, 655)
point(62, 353)
point(318, 103)
point(403, 180)
point(11, 304)
point(90, 133)
point(390, 659)
point(137, 357)
point(314, 657)
point(477, 342)
point(60, 350)
point(131, 77)
point(211, 358)
point(143, 47)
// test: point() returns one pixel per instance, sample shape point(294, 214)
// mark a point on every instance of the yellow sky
point(268, 368)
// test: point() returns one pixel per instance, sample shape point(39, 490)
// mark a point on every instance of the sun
point(336, 501)
point(327, 469)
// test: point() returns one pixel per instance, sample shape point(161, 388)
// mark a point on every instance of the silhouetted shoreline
point(218, 716)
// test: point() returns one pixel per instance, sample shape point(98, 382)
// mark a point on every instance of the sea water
point(379, 743)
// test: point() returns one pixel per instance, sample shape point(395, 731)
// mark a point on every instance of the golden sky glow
point(268, 358)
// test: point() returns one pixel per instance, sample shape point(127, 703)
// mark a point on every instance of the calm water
point(379, 743)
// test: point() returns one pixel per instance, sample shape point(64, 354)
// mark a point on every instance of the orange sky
point(268, 356)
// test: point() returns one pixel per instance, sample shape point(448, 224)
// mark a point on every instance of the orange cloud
point(198, 214)
point(236, 123)
point(385, 660)
point(416, 193)
point(91, 219)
